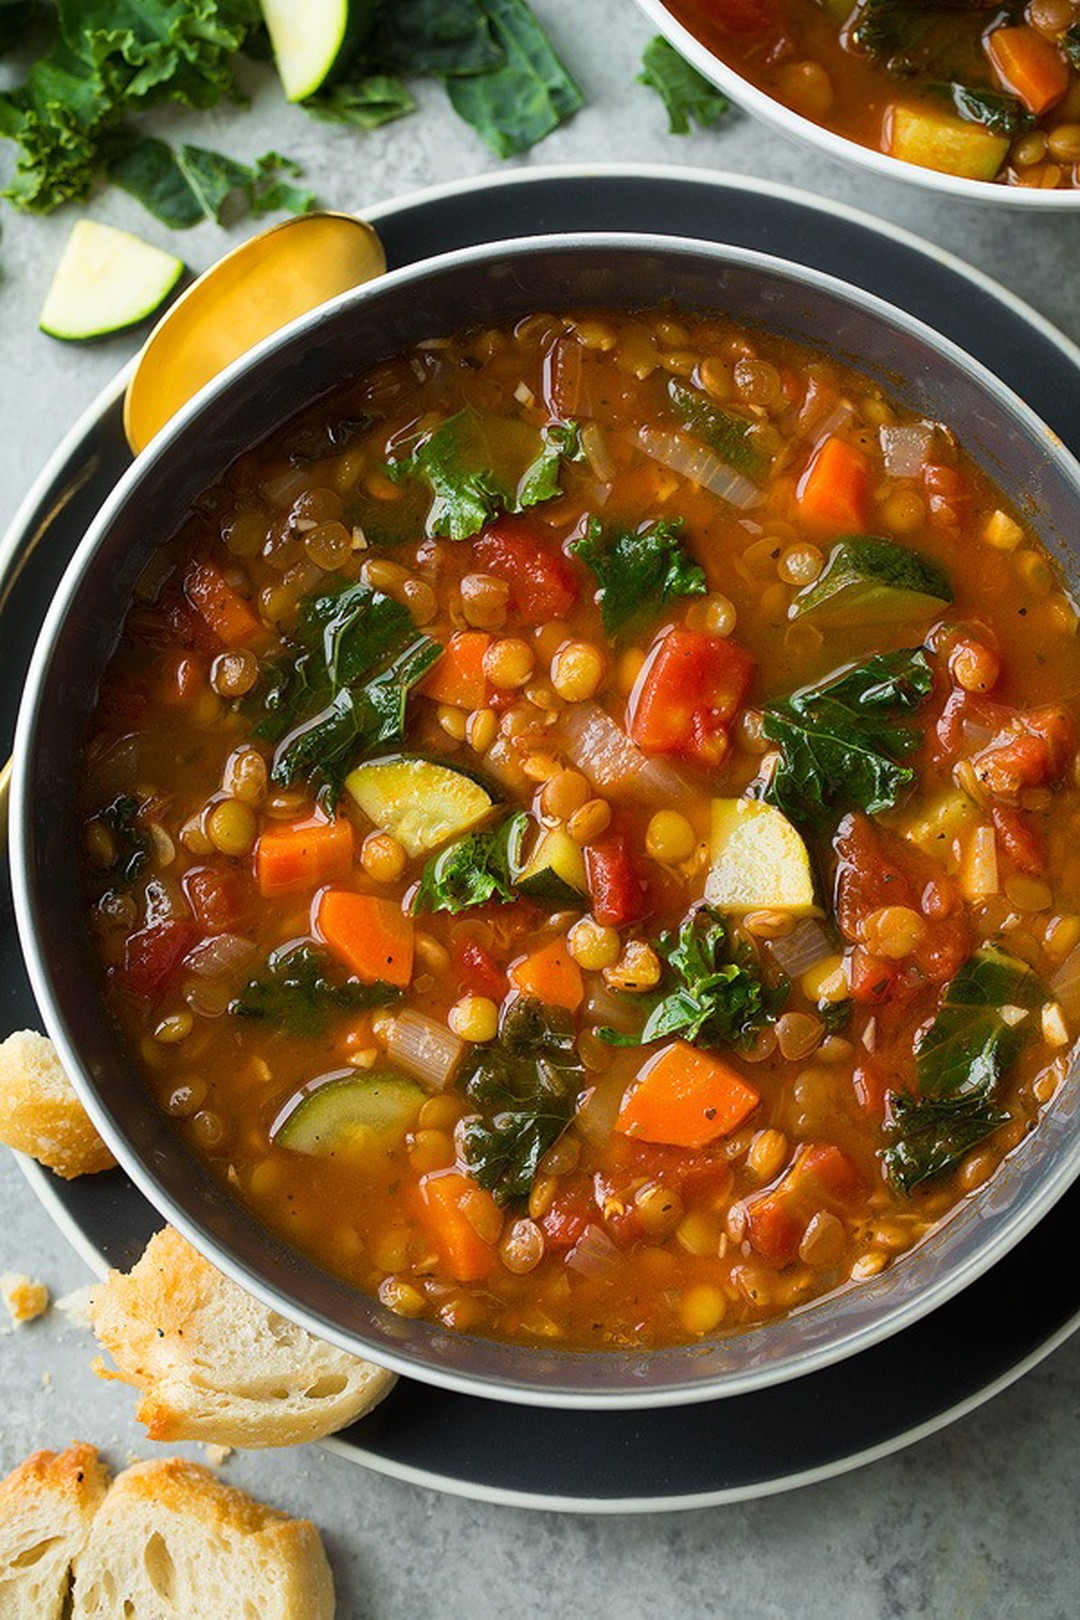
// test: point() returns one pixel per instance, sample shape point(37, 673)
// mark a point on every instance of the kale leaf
point(712, 993)
point(999, 113)
point(295, 993)
point(443, 38)
point(960, 1061)
point(939, 38)
point(474, 870)
point(638, 571)
point(687, 95)
point(841, 744)
point(1071, 44)
point(189, 184)
point(341, 690)
point(515, 105)
point(525, 1086)
point(366, 103)
point(477, 466)
point(131, 843)
point(723, 431)
point(107, 58)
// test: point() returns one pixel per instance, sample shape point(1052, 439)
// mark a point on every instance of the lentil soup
point(580, 830)
point(985, 91)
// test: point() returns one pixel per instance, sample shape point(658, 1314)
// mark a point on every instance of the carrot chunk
point(225, 610)
point(303, 854)
point(458, 678)
point(551, 975)
point(455, 1210)
point(834, 491)
point(685, 1098)
point(1028, 65)
point(372, 937)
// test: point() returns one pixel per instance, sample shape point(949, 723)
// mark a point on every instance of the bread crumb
point(216, 1455)
point(75, 1307)
point(24, 1296)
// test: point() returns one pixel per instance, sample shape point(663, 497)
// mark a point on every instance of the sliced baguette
point(40, 1113)
point(213, 1364)
point(171, 1542)
point(46, 1509)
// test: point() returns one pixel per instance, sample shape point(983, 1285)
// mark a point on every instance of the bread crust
point(40, 1113)
point(47, 1507)
point(172, 1539)
point(214, 1364)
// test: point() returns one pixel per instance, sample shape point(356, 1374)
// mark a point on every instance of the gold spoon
point(252, 292)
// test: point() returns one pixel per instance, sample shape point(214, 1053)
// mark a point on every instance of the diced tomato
point(947, 493)
point(220, 897)
point(227, 613)
point(689, 691)
point(1020, 840)
point(153, 957)
point(872, 978)
point(821, 1178)
point(870, 1088)
point(1038, 752)
point(875, 870)
point(616, 893)
point(542, 581)
point(571, 1212)
point(478, 970)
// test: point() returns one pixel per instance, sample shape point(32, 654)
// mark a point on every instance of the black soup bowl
point(494, 283)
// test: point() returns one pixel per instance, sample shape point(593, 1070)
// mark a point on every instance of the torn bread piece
point(46, 1509)
point(40, 1113)
point(24, 1297)
point(214, 1364)
point(172, 1540)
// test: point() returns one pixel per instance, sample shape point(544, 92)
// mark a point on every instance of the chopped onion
point(838, 417)
point(975, 735)
point(593, 1254)
point(597, 454)
point(600, 748)
point(597, 1111)
point(702, 466)
point(562, 379)
point(425, 1048)
point(223, 953)
point(806, 945)
point(905, 449)
point(1066, 984)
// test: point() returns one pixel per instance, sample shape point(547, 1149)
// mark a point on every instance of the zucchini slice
point(106, 281)
point(868, 580)
point(421, 802)
point(313, 40)
point(555, 871)
point(938, 140)
point(348, 1113)
point(759, 861)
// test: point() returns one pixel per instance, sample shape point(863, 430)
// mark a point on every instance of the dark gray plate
point(746, 1445)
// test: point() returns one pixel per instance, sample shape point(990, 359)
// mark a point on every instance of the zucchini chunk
point(347, 1113)
point(106, 281)
point(759, 861)
point(936, 826)
point(421, 802)
point(555, 871)
point(313, 40)
point(937, 140)
point(872, 581)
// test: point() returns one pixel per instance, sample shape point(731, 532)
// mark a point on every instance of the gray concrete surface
point(978, 1521)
